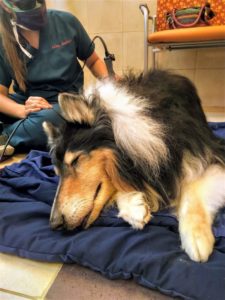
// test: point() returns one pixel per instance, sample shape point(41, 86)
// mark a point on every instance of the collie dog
point(142, 143)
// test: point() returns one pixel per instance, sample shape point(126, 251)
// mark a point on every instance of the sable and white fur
point(143, 143)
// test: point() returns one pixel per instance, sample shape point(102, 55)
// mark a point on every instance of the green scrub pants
point(30, 134)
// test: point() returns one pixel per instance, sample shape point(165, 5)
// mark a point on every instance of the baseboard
point(214, 109)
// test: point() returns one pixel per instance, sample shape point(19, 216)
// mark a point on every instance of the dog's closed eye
point(75, 161)
point(97, 190)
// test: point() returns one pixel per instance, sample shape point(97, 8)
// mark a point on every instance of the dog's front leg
point(133, 208)
point(200, 201)
point(195, 227)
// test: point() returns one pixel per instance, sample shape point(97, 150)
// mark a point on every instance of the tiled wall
point(120, 23)
point(205, 67)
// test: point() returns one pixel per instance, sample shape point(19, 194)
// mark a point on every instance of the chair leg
point(154, 65)
point(153, 59)
point(145, 57)
point(144, 9)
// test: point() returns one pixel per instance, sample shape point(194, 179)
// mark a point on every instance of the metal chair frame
point(156, 47)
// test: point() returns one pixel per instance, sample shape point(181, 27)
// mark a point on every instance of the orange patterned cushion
point(218, 6)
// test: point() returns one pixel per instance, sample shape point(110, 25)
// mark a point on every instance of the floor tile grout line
point(51, 282)
point(10, 292)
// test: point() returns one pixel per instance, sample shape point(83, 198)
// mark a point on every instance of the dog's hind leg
point(200, 200)
point(133, 208)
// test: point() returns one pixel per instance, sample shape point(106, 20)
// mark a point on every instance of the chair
point(177, 39)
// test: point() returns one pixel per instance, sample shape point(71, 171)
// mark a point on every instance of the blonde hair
point(11, 49)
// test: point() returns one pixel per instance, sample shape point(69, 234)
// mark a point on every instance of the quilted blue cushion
point(152, 256)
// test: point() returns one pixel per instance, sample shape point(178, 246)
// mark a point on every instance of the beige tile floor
point(26, 279)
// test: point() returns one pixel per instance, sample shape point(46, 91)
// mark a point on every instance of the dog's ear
point(76, 109)
point(51, 131)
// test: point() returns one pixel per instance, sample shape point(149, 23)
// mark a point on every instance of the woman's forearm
point(97, 66)
point(99, 69)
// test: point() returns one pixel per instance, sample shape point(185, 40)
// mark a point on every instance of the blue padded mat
point(152, 257)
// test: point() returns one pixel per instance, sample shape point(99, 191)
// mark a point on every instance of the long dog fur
point(146, 144)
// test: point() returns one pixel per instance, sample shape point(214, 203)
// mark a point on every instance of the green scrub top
point(54, 67)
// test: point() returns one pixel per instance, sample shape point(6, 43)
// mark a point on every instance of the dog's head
point(84, 156)
point(109, 144)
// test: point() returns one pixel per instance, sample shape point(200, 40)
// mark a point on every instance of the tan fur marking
point(101, 200)
point(153, 198)
point(112, 172)
point(195, 222)
point(76, 197)
point(192, 167)
point(86, 176)
point(70, 156)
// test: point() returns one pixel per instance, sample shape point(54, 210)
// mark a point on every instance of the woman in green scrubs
point(39, 52)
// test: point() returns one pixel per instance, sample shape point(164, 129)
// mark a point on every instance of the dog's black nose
point(57, 226)
point(57, 222)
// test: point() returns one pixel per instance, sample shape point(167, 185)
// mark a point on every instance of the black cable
point(9, 139)
point(109, 57)
point(107, 53)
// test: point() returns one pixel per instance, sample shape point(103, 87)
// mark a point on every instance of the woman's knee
point(30, 133)
point(52, 115)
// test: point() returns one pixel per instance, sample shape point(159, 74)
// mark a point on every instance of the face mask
point(32, 19)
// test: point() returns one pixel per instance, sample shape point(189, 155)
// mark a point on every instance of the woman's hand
point(21, 111)
point(34, 104)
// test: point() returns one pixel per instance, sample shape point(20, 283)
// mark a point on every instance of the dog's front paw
point(197, 241)
point(133, 209)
